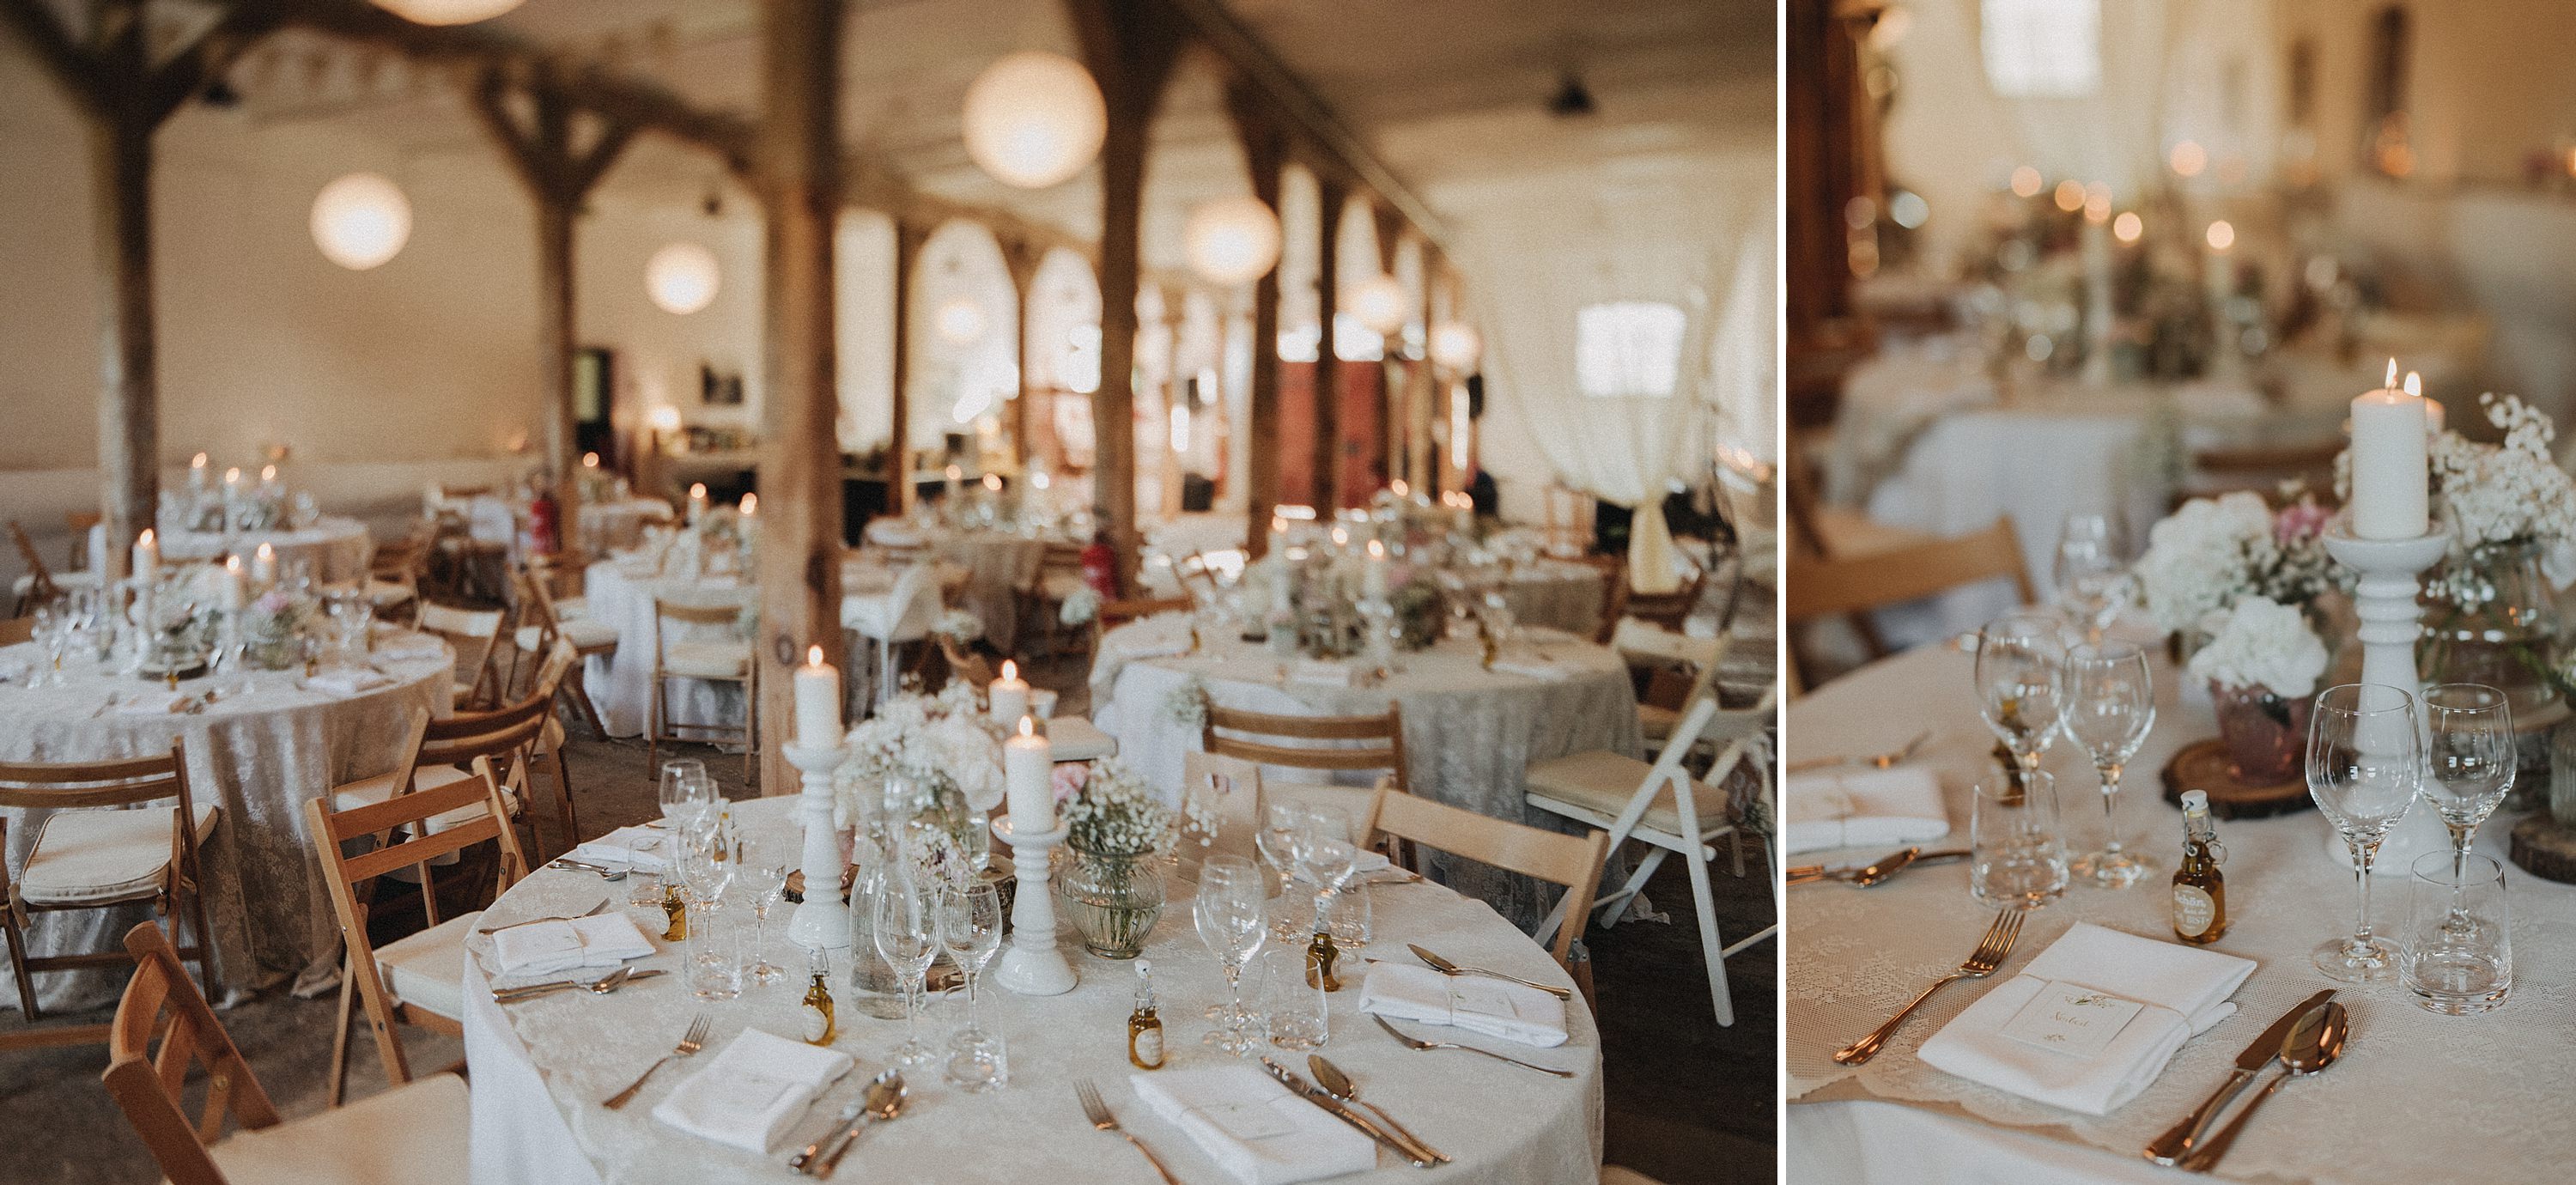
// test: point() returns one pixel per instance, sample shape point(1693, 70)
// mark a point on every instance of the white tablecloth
point(621, 593)
point(605, 526)
point(1469, 733)
point(541, 1067)
point(260, 755)
point(331, 551)
point(2417, 1096)
point(998, 564)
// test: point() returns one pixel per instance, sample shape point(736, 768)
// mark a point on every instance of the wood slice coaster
point(2545, 847)
point(2203, 765)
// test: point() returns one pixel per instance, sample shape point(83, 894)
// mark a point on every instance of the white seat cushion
point(381, 593)
point(105, 854)
point(706, 660)
point(427, 970)
point(367, 791)
point(569, 608)
point(1595, 787)
point(583, 635)
point(413, 1134)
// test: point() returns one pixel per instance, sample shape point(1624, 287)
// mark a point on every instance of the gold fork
point(1102, 1120)
point(690, 1043)
point(1980, 963)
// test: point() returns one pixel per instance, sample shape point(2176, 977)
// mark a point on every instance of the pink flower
point(2306, 520)
point(272, 602)
point(1069, 778)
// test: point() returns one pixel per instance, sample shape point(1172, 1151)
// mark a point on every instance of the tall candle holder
point(2384, 600)
point(1033, 966)
point(821, 921)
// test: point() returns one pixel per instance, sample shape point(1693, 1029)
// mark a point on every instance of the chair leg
point(1735, 840)
point(653, 730)
point(339, 1077)
point(18, 962)
point(750, 733)
point(1710, 945)
point(563, 800)
point(580, 693)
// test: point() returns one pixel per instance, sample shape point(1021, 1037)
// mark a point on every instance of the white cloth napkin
point(637, 849)
point(1851, 808)
point(1533, 666)
point(149, 703)
point(752, 1090)
point(1476, 1003)
point(348, 681)
point(544, 948)
point(1253, 1127)
point(2185, 989)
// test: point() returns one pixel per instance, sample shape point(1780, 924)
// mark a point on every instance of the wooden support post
point(909, 238)
point(1394, 372)
point(1022, 255)
point(1130, 46)
point(799, 566)
point(1265, 152)
point(1328, 362)
point(1419, 387)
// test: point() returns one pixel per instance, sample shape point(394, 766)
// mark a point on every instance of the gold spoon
point(2312, 1044)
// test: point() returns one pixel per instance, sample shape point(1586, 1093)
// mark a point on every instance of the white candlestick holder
point(1033, 966)
point(2384, 600)
point(821, 921)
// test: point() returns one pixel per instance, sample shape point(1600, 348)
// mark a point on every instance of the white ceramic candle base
point(1033, 966)
point(2385, 602)
point(822, 922)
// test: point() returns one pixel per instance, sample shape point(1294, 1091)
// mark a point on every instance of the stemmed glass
point(1228, 910)
point(2089, 575)
point(770, 884)
point(50, 635)
point(1325, 855)
point(1277, 843)
point(2110, 696)
point(2469, 766)
point(2365, 764)
point(715, 966)
point(907, 938)
point(970, 929)
point(2020, 691)
point(688, 796)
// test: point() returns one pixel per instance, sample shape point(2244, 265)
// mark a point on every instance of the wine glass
point(1228, 911)
point(2469, 765)
point(2365, 764)
point(2020, 689)
point(687, 795)
point(907, 938)
point(714, 958)
point(1277, 843)
point(970, 929)
point(769, 882)
point(2110, 694)
point(2089, 575)
point(1325, 854)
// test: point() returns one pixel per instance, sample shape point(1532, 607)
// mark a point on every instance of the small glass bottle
point(819, 1026)
point(676, 908)
point(2199, 888)
point(1144, 1026)
point(1321, 954)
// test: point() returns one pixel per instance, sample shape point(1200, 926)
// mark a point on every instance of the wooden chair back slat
point(1341, 754)
point(1819, 588)
point(688, 614)
point(15, 630)
point(162, 1008)
point(1571, 861)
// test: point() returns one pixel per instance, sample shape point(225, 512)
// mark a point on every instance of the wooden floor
point(1689, 1102)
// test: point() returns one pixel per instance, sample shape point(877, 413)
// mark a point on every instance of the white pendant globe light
point(1232, 240)
point(447, 12)
point(682, 278)
point(961, 321)
point(361, 220)
point(1456, 346)
point(1378, 302)
point(1034, 119)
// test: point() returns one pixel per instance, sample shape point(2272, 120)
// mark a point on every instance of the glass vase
point(2266, 735)
point(1113, 900)
point(2490, 618)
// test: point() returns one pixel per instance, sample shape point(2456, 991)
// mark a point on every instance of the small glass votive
point(977, 1056)
point(2016, 854)
point(1299, 1013)
point(1351, 915)
point(717, 946)
point(2458, 946)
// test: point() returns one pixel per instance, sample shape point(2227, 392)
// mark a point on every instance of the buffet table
point(2416, 1097)
point(541, 1067)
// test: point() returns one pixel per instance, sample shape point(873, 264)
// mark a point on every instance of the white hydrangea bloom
point(2263, 643)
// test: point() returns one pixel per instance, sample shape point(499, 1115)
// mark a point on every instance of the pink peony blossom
point(1069, 778)
point(2306, 520)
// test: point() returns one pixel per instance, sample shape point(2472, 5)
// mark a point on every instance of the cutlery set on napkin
point(627, 849)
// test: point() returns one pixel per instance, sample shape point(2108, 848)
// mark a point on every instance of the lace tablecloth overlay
point(1556, 595)
point(541, 1067)
point(331, 551)
point(1469, 733)
point(2416, 1096)
point(266, 746)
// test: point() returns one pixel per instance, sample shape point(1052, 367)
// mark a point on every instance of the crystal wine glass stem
point(2110, 772)
point(2364, 851)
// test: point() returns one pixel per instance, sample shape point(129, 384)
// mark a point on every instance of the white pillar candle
point(232, 481)
point(818, 700)
point(147, 556)
point(1373, 575)
point(697, 501)
point(1010, 693)
point(2390, 470)
point(749, 507)
point(1028, 780)
point(2433, 414)
point(197, 474)
point(263, 566)
point(229, 594)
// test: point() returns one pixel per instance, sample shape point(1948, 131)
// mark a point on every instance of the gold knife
point(1418, 1157)
point(2184, 1136)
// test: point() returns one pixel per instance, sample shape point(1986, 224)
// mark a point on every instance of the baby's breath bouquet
point(922, 758)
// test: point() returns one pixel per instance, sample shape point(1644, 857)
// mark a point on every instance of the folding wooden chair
point(475, 634)
point(417, 980)
point(101, 845)
point(412, 1135)
point(1331, 744)
point(542, 621)
point(727, 661)
point(40, 584)
point(1683, 669)
point(1571, 861)
point(1821, 587)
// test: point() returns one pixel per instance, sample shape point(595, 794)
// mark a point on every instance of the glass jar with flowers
point(1117, 827)
point(2262, 664)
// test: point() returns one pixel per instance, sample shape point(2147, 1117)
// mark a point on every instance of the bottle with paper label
point(2199, 887)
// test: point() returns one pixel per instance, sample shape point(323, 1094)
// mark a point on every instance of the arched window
point(1628, 348)
point(2043, 49)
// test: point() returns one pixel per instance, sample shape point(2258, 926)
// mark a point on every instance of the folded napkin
point(636, 849)
point(752, 1090)
point(1857, 807)
point(2184, 990)
point(1252, 1127)
point(150, 703)
point(545, 948)
point(1476, 1003)
point(348, 681)
point(1533, 666)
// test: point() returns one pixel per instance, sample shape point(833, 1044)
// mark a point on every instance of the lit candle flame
point(750, 504)
point(232, 476)
point(2414, 383)
point(993, 482)
point(146, 538)
point(266, 552)
point(268, 473)
point(197, 462)
point(590, 460)
point(1010, 670)
point(232, 564)
point(1028, 726)
point(814, 656)
point(1377, 550)
point(1399, 488)
point(698, 489)
point(2392, 373)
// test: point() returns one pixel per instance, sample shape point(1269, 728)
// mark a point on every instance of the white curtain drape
point(1537, 252)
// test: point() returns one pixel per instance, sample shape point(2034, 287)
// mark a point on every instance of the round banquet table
point(1555, 594)
point(605, 526)
point(1470, 734)
point(332, 551)
point(266, 745)
point(621, 593)
point(998, 565)
point(540, 1067)
point(2416, 1097)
